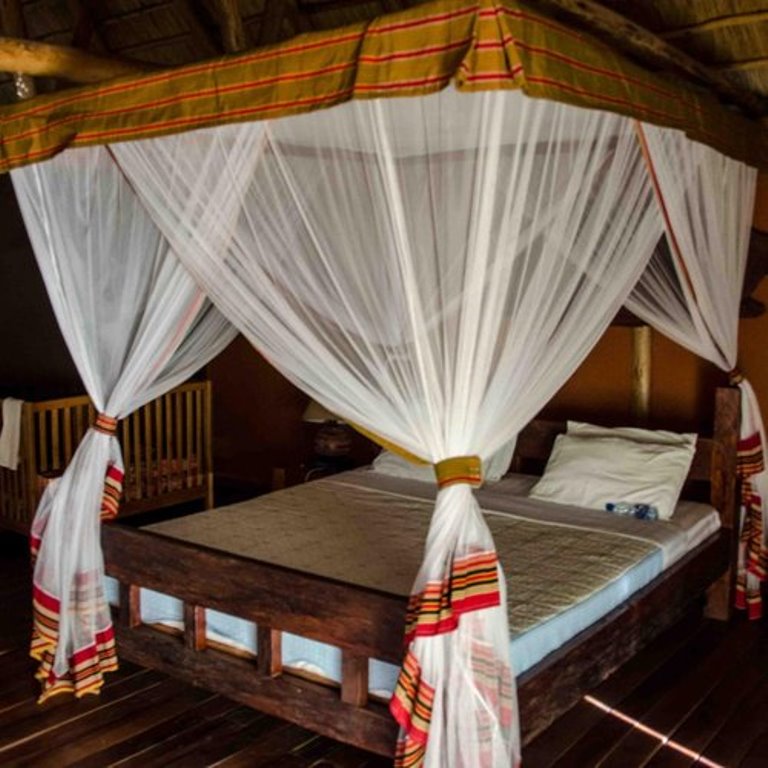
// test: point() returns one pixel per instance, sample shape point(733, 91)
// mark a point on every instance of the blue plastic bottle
point(639, 511)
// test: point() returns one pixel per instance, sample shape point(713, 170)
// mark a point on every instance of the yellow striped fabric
point(411, 706)
point(471, 585)
point(87, 666)
point(753, 553)
point(476, 44)
point(459, 469)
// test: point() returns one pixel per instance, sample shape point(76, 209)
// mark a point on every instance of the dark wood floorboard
point(702, 689)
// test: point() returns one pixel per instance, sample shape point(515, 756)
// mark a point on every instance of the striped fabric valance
point(476, 44)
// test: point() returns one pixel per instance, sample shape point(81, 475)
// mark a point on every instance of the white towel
point(10, 435)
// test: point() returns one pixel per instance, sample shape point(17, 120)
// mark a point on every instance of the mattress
point(566, 567)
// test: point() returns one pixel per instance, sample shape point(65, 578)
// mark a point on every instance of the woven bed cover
point(566, 567)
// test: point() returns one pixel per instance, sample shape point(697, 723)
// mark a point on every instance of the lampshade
point(317, 414)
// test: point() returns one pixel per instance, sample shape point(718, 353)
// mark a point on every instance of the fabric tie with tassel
point(469, 582)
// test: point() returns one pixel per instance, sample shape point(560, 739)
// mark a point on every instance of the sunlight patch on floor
point(666, 741)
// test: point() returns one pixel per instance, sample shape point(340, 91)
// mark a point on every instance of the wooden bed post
point(724, 496)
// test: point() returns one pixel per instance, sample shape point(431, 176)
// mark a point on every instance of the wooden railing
point(166, 450)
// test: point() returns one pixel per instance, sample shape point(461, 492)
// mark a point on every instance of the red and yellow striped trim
point(473, 584)
point(34, 546)
point(113, 492)
point(749, 456)
point(87, 665)
point(411, 706)
point(753, 553)
point(105, 424)
point(476, 44)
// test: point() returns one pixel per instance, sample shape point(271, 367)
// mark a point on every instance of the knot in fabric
point(735, 377)
point(105, 424)
point(459, 469)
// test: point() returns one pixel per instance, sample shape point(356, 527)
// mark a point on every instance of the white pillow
point(591, 471)
point(658, 436)
point(388, 463)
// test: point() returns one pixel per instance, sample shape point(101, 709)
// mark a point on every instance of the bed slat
point(194, 627)
point(189, 423)
point(354, 679)
point(129, 614)
point(269, 656)
point(135, 420)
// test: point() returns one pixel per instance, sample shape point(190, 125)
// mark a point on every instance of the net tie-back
point(735, 376)
point(113, 481)
point(106, 424)
point(459, 469)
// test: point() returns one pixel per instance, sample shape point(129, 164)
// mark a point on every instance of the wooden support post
point(724, 497)
point(194, 627)
point(269, 656)
point(129, 612)
point(29, 57)
point(641, 373)
point(354, 679)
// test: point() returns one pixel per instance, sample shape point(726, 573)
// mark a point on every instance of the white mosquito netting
point(432, 270)
point(691, 292)
point(136, 325)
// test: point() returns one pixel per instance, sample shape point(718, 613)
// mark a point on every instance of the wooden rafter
point(11, 18)
point(85, 33)
point(42, 59)
point(272, 22)
point(630, 37)
point(227, 15)
point(205, 42)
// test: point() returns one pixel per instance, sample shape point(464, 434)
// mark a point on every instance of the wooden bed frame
point(166, 450)
point(367, 624)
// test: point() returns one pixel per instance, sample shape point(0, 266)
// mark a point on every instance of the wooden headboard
point(714, 463)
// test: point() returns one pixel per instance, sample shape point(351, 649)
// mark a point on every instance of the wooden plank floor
point(696, 697)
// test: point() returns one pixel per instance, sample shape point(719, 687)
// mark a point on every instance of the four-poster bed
point(432, 269)
point(367, 623)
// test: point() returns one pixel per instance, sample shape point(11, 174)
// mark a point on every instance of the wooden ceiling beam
point(651, 49)
point(29, 57)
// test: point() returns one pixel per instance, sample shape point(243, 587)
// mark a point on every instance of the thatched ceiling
point(728, 36)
